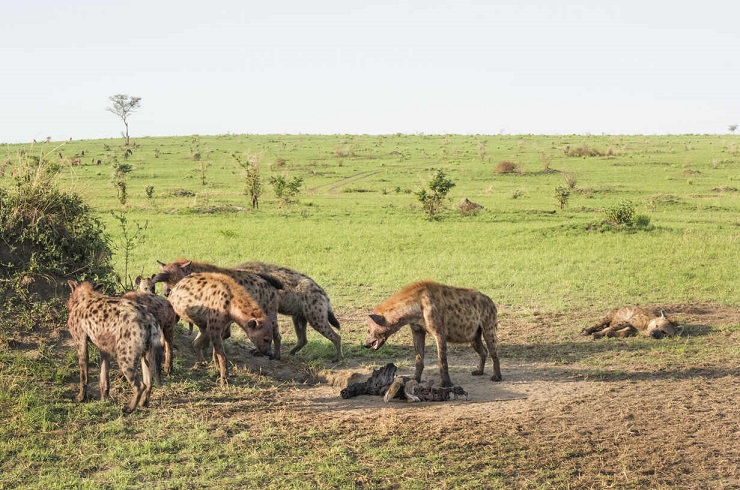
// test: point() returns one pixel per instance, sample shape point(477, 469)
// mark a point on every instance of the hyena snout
point(374, 342)
point(657, 334)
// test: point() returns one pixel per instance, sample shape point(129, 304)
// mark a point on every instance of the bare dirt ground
point(622, 412)
point(629, 413)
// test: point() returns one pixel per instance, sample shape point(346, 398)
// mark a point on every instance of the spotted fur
point(162, 311)
point(262, 288)
point(450, 314)
point(304, 300)
point(212, 301)
point(631, 320)
point(122, 330)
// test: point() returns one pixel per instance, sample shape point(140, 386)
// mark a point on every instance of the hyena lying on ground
point(263, 288)
point(121, 329)
point(162, 311)
point(630, 320)
point(212, 301)
point(449, 313)
point(303, 300)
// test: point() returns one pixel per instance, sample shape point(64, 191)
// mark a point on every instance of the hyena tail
point(333, 320)
point(155, 355)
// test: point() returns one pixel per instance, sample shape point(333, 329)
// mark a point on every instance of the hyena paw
point(477, 372)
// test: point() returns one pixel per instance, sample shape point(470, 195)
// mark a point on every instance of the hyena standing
point(121, 329)
point(262, 288)
point(451, 314)
point(212, 301)
point(162, 311)
point(304, 300)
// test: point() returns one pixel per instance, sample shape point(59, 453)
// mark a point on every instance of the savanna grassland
point(571, 412)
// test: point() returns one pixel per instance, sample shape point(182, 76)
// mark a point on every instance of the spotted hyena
point(162, 311)
point(449, 313)
point(263, 288)
point(630, 320)
point(212, 301)
point(122, 330)
point(304, 300)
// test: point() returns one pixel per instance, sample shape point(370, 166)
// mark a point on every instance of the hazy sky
point(537, 66)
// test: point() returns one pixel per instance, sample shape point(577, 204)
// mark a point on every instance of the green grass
point(362, 246)
point(360, 233)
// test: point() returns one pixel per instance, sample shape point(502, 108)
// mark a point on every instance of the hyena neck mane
point(400, 314)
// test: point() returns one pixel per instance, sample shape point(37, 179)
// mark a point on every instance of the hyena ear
point(72, 285)
point(252, 324)
point(187, 267)
point(379, 319)
point(137, 281)
point(98, 287)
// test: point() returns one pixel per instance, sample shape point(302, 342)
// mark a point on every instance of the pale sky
point(488, 67)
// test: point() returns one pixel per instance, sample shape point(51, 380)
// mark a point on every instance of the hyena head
point(80, 292)
point(378, 331)
point(661, 326)
point(145, 284)
point(172, 273)
point(260, 333)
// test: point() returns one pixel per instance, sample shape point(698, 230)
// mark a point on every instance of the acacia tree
point(123, 106)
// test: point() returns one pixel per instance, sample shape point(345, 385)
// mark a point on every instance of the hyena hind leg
point(478, 346)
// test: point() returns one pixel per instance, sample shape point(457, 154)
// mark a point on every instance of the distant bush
point(642, 221)
point(583, 151)
point(432, 199)
point(562, 194)
point(622, 213)
point(286, 190)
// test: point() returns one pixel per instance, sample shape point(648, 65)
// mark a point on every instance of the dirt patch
point(624, 413)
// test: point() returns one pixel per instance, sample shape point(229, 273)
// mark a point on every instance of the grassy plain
point(627, 414)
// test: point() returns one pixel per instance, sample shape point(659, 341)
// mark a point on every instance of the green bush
point(622, 213)
point(48, 234)
point(432, 199)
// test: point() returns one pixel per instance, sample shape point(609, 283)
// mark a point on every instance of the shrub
point(642, 221)
point(622, 213)
point(48, 235)
point(562, 194)
point(432, 200)
point(583, 151)
point(286, 190)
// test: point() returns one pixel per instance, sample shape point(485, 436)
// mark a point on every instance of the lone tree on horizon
point(123, 106)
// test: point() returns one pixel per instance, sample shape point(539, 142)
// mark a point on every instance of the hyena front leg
point(444, 371)
point(276, 337)
point(419, 348)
